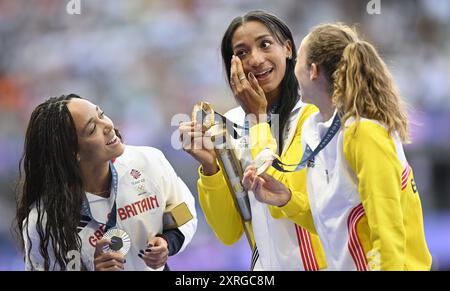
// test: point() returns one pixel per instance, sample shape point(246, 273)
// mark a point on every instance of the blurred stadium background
point(146, 61)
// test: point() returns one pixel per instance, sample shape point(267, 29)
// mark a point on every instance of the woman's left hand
point(266, 188)
point(247, 90)
point(156, 254)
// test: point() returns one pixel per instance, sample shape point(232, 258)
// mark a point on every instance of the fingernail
point(141, 251)
point(150, 245)
point(140, 256)
point(148, 250)
point(124, 261)
point(251, 76)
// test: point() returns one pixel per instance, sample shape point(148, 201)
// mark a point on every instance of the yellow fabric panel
point(261, 138)
point(372, 155)
point(418, 256)
point(318, 251)
point(297, 209)
point(297, 181)
point(363, 232)
point(219, 208)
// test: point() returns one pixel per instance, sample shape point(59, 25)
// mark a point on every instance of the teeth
point(111, 141)
point(263, 73)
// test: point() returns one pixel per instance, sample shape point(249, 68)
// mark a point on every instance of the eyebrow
point(256, 39)
point(90, 119)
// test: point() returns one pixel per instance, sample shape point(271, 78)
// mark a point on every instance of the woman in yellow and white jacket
point(362, 195)
point(259, 55)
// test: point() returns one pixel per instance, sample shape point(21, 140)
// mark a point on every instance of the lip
point(263, 75)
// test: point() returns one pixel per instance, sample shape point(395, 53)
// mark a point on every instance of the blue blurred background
point(146, 61)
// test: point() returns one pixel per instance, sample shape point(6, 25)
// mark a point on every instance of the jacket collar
point(291, 125)
point(315, 128)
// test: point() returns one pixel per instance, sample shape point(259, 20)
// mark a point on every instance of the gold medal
point(120, 241)
point(204, 114)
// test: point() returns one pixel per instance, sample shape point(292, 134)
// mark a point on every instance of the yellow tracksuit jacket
point(282, 244)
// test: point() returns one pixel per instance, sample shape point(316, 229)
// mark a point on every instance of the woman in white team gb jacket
point(79, 178)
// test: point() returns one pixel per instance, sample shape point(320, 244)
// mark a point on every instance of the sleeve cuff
point(211, 182)
point(174, 239)
point(294, 205)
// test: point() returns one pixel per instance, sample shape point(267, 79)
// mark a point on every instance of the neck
point(327, 112)
point(272, 99)
point(96, 178)
point(326, 107)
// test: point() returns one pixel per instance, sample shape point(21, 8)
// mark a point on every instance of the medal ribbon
point(230, 126)
point(112, 219)
point(309, 154)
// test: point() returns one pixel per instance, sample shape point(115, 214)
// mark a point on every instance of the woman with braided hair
point(80, 181)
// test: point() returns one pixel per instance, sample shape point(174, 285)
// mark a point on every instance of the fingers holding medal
point(120, 241)
point(107, 261)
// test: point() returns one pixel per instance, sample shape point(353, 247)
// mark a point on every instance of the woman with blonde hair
point(362, 195)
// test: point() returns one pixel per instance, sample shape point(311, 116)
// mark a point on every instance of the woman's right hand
point(198, 144)
point(247, 91)
point(109, 261)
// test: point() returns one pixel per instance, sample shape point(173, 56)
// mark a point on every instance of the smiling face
point(97, 139)
point(262, 55)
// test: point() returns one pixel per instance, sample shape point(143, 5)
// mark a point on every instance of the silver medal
point(120, 241)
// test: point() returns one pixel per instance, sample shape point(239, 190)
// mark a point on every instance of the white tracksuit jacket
point(147, 185)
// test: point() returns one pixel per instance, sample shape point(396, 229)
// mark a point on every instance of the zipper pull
point(328, 178)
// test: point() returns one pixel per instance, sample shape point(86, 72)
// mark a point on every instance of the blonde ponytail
point(361, 84)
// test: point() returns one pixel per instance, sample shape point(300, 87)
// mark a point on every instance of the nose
point(108, 127)
point(256, 58)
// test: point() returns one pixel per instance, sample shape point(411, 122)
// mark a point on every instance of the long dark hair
point(289, 86)
point(52, 182)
